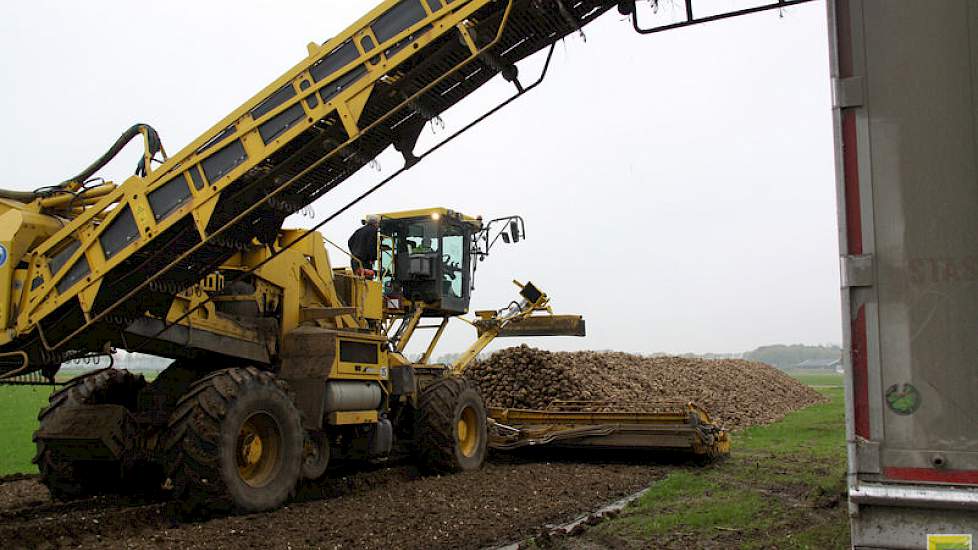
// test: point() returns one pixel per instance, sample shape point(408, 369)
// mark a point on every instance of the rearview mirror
point(514, 229)
point(505, 236)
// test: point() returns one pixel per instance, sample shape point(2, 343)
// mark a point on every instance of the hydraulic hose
point(153, 146)
point(19, 196)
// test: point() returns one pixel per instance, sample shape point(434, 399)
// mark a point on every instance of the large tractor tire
point(235, 442)
point(450, 430)
point(70, 477)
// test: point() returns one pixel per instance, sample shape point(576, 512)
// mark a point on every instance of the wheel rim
point(258, 449)
point(468, 432)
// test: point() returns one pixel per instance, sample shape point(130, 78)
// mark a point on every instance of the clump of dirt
point(20, 491)
point(735, 392)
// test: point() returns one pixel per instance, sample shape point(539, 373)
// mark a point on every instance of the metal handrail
point(691, 19)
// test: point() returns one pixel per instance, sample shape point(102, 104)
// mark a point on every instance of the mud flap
point(90, 432)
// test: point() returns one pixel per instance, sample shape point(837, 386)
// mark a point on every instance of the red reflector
point(931, 475)
point(850, 167)
point(860, 375)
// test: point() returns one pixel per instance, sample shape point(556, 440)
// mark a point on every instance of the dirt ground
point(514, 498)
point(385, 508)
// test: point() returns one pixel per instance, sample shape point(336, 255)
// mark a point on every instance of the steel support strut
point(520, 93)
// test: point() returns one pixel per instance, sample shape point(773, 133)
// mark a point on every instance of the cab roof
point(430, 212)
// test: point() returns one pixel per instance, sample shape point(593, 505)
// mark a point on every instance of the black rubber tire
point(68, 478)
point(202, 440)
point(315, 458)
point(440, 407)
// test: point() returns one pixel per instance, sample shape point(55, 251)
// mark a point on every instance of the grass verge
point(818, 379)
point(783, 487)
point(19, 406)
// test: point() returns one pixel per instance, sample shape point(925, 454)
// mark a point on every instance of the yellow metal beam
point(408, 331)
point(352, 417)
point(434, 341)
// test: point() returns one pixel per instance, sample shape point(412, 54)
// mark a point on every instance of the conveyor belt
point(301, 137)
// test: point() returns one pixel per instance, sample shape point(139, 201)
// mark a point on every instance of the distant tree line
point(785, 356)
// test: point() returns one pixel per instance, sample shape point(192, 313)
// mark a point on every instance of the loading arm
point(519, 320)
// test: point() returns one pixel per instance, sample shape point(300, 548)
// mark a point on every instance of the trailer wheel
point(235, 441)
point(450, 430)
point(70, 477)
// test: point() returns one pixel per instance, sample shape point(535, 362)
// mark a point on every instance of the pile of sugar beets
point(736, 393)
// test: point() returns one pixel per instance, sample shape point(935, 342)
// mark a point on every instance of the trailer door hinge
point(848, 92)
point(868, 457)
point(857, 271)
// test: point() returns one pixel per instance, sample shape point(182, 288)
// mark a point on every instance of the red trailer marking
point(931, 475)
point(844, 38)
point(850, 160)
point(854, 225)
point(860, 375)
point(850, 167)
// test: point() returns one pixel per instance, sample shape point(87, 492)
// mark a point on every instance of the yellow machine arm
point(675, 426)
point(374, 85)
point(678, 426)
point(518, 320)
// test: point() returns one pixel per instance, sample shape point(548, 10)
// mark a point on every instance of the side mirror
point(505, 236)
point(514, 229)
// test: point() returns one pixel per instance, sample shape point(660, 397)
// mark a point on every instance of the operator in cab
point(363, 247)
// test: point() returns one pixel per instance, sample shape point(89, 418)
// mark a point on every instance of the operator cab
point(425, 258)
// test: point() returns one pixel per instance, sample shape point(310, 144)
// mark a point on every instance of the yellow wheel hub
point(258, 451)
point(468, 432)
point(251, 450)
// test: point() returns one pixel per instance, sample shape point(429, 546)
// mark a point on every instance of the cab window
point(387, 263)
point(453, 257)
point(421, 238)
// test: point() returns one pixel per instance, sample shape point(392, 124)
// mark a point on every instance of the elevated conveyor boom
point(127, 251)
point(374, 85)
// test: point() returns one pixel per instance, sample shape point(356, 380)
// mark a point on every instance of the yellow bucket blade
point(672, 426)
point(541, 325)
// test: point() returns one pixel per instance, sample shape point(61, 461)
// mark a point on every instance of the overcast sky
point(678, 189)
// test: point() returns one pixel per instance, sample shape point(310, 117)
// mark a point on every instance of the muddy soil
point(385, 508)
point(21, 492)
point(514, 497)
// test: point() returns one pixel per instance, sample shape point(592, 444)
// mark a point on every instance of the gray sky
point(678, 189)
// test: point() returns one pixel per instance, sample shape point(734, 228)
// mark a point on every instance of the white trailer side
point(905, 78)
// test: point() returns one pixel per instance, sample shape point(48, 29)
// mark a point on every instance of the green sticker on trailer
point(903, 400)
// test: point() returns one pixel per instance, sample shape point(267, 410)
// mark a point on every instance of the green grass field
point(19, 406)
point(18, 420)
point(783, 487)
point(817, 378)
